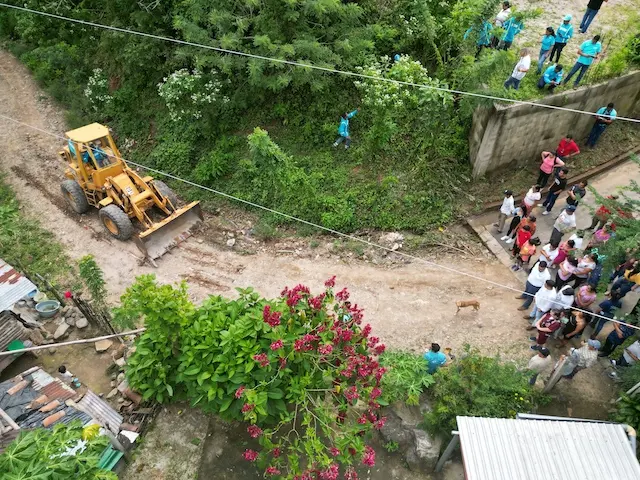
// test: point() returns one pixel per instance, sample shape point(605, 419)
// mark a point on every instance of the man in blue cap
point(563, 33)
point(551, 78)
point(581, 358)
point(588, 52)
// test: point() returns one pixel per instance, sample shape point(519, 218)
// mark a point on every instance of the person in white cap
point(563, 33)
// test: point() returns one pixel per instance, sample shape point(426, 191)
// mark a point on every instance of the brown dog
point(467, 303)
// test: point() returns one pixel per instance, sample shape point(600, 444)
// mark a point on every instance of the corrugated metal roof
point(510, 449)
point(13, 286)
point(10, 330)
point(100, 411)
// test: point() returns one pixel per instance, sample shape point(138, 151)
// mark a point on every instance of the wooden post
point(555, 374)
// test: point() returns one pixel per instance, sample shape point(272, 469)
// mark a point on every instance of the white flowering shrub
point(97, 90)
point(186, 94)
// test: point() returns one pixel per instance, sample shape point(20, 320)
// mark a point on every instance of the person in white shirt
point(503, 14)
point(629, 356)
point(577, 239)
point(506, 210)
point(532, 197)
point(565, 222)
point(520, 70)
point(549, 253)
point(538, 275)
point(545, 300)
point(540, 363)
point(566, 297)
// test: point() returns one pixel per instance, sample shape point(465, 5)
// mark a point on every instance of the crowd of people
point(564, 271)
point(506, 26)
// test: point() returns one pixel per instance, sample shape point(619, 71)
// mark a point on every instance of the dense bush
point(478, 386)
point(300, 364)
point(407, 377)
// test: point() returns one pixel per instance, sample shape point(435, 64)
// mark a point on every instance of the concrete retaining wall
point(505, 134)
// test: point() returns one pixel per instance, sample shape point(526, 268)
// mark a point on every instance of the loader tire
point(165, 191)
point(75, 196)
point(116, 222)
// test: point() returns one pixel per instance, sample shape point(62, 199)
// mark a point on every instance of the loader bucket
point(170, 232)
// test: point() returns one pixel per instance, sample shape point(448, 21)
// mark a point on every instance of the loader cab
point(93, 155)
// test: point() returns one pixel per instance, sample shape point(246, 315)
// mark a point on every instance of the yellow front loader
point(98, 176)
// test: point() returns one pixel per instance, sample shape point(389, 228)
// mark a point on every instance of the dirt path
point(409, 305)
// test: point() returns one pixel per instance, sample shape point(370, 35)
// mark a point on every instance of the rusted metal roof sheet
point(10, 330)
point(101, 411)
point(7, 438)
point(58, 390)
point(13, 286)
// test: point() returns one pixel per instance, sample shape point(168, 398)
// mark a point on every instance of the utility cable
point(320, 227)
point(307, 65)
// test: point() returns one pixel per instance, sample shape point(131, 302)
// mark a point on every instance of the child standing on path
point(343, 129)
point(506, 210)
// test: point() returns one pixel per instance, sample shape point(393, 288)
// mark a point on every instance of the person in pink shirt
point(585, 296)
point(565, 272)
point(549, 162)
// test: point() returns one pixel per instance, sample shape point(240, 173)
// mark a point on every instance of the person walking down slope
point(548, 41)
point(563, 34)
point(500, 19)
point(520, 70)
point(435, 358)
point(551, 78)
point(343, 129)
point(593, 7)
point(588, 52)
point(604, 117)
point(484, 36)
point(512, 27)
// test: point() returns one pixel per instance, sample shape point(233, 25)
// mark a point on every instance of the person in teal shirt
point(484, 36)
point(548, 41)
point(563, 33)
point(588, 52)
point(435, 358)
point(551, 78)
point(512, 27)
point(343, 129)
point(604, 117)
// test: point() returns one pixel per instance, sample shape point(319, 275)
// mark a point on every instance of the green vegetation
point(26, 245)
point(299, 363)
point(93, 278)
point(479, 386)
point(406, 378)
point(37, 454)
point(192, 111)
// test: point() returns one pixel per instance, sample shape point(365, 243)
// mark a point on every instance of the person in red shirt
point(523, 235)
point(567, 148)
point(546, 326)
point(601, 215)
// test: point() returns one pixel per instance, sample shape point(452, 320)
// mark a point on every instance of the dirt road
point(409, 305)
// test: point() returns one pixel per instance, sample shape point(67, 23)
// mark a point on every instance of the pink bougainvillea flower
point(351, 393)
point(254, 430)
point(325, 349)
point(262, 359)
point(330, 473)
point(334, 451)
point(250, 455)
point(350, 474)
point(342, 295)
point(369, 457)
point(363, 419)
point(380, 423)
point(276, 452)
point(331, 282)
point(276, 345)
point(375, 393)
point(247, 407)
point(240, 391)
point(366, 331)
point(380, 348)
point(283, 362)
point(272, 471)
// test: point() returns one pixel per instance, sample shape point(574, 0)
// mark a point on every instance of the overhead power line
point(305, 65)
point(321, 227)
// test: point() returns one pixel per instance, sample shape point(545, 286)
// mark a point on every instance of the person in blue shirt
point(343, 129)
point(435, 358)
point(512, 27)
point(551, 78)
point(72, 151)
point(484, 36)
point(563, 33)
point(604, 117)
point(607, 309)
point(548, 41)
point(588, 52)
point(617, 337)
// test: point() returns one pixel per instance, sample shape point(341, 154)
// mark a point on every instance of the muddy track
point(409, 305)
